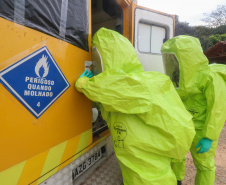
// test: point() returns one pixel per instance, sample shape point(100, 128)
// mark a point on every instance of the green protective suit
point(202, 88)
point(149, 124)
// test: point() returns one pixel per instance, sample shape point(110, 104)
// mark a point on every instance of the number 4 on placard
point(38, 104)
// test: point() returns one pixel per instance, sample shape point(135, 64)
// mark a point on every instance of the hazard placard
point(36, 81)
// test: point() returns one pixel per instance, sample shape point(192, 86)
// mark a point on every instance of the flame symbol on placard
point(42, 63)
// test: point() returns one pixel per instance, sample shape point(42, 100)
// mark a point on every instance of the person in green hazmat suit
point(202, 88)
point(148, 122)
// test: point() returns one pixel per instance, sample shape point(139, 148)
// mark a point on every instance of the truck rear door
point(151, 30)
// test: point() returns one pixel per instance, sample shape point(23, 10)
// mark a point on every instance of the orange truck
point(47, 135)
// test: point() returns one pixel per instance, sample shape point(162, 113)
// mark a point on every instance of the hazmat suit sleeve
point(147, 99)
point(117, 91)
point(215, 93)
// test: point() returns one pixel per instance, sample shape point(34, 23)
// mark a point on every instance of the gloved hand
point(87, 73)
point(205, 145)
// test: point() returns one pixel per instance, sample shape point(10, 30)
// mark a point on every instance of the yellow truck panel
point(21, 134)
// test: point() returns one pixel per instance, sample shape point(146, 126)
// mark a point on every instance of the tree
point(217, 17)
point(182, 28)
point(208, 36)
point(217, 37)
point(219, 30)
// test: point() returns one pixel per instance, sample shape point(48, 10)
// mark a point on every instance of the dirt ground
point(220, 161)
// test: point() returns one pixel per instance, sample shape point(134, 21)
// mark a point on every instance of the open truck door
point(151, 30)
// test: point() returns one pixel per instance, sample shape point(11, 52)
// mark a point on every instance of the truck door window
point(150, 38)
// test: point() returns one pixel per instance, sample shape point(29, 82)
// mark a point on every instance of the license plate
point(81, 168)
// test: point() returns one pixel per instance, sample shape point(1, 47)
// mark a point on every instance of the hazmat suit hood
point(112, 50)
point(189, 54)
point(202, 87)
point(220, 69)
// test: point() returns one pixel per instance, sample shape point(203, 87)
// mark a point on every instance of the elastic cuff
point(80, 82)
